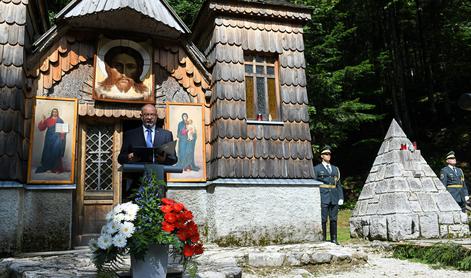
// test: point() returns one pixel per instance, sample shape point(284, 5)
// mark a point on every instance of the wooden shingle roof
point(143, 16)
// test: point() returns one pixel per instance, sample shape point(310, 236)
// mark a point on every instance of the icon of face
point(149, 116)
point(185, 117)
point(55, 113)
point(123, 71)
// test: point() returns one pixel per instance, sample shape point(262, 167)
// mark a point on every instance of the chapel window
point(262, 87)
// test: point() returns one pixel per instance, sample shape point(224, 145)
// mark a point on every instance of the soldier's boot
point(324, 231)
point(333, 232)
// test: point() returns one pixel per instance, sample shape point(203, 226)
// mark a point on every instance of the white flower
point(104, 241)
point(112, 227)
point(127, 229)
point(118, 218)
point(119, 241)
point(131, 211)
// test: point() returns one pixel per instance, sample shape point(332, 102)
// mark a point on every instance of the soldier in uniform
point(331, 193)
point(453, 179)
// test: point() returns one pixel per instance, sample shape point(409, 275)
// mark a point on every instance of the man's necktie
point(454, 170)
point(149, 137)
point(329, 169)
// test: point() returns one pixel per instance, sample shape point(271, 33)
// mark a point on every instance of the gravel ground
point(380, 266)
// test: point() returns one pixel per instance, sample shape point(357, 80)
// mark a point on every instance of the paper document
point(62, 128)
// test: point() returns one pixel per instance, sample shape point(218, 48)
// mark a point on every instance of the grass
point(440, 255)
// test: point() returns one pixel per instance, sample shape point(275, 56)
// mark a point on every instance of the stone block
point(393, 203)
point(321, 258)
point(428, 185)
point(374, 169)
point(393, 170)
point(367, 192)
point(380, 173)
point(415, 206)
point(398, 185)
point(402, 227)
point(363, 208)
point(445, 218)
point(378, 160)
point(359, 227)
point(266, 259)
point(392, 156)
point(414, 184)
point(429, 227)
point(427, 203)
point(378, 228)
point(372, 209)
point(443, 231)
point(445, 202)
point(293, 259)
point(381, 186)
point(381, 149)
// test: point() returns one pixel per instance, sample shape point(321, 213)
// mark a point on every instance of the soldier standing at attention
point(331, 193)
point(453, 179)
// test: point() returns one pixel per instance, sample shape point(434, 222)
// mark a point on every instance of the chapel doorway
point(99, 181)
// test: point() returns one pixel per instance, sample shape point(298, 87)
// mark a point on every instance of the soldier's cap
point(326, 149)
point(450, 155)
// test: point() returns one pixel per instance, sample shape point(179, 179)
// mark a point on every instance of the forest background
point(369, 61)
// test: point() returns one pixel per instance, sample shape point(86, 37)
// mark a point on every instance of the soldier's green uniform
point(453, 179)
point(331, 195)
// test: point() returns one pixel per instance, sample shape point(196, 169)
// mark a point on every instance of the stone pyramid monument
point(403, 198)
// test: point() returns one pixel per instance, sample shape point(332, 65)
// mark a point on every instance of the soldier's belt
point(327, 186)
point(455, 186)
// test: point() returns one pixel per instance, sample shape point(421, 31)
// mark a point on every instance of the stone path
point(368, 259)
point(214, 263)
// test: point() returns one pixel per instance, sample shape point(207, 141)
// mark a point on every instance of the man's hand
point(466, 198)
point(133, 158)
point(340, 202)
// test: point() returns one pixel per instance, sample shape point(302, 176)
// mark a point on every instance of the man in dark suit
point(331, 193)
point(452, 178)
point(147, 135)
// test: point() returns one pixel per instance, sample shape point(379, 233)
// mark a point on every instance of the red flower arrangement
point(179, 221)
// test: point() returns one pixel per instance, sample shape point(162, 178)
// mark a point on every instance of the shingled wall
point(13, 127)
point(246, 150)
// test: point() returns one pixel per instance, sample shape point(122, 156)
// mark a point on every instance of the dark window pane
point(248, 58)
point(271, 70)
point(249, 68)
point(249, 98)
point(261, 99)
point(260, 70)
point(259, 59)
point(270, 60)
point(272, 103)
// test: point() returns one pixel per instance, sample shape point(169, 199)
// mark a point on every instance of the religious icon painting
point(123, 72)
point(52, 141)
point(186, 122)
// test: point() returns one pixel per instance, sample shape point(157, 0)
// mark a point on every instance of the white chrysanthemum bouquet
point(119, 226)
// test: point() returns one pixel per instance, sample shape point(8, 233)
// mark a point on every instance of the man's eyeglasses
point(149, 115)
